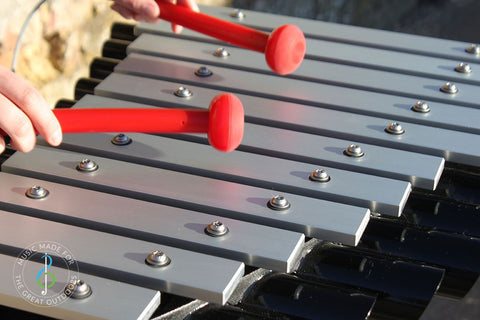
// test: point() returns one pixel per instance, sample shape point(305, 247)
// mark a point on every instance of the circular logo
point(42, 271)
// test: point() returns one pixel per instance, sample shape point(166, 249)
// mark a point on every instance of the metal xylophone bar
point(374, 279)
point(300, 91)
point(365, 37)
point(467, 130)
point(123, 92)
point(444, 116)
point(425, 174)
point(407, 308)
point(105, 146)
point(109, 293)
point(332, 74)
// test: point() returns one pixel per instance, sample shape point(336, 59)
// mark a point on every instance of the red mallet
point(223, 122)
point(284, 48)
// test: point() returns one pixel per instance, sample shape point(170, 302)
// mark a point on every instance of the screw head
point(278, 203)
point(183, 92)
point(216, 229)
point(121, 140)
point(157, 259)
point(319, 175)
point(421, 106)
point(464, 68)
point(87, 165)
point(354, 150)
point(238, 14)
point(78, 290)
point(221, 53)
point(203, 72)
point(449, 88)
point(36, 192)
point(473, 49)
point(395, 128)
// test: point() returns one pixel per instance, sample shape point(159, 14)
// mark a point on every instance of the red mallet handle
point(284, 48)
point(223, 122)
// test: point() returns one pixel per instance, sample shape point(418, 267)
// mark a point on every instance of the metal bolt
point(36, 192)
point(449, 88)
point(221, 53)
point(395, 128)
point(278, 203)
point(473, 49)
point(78, 290)
point(121, 140)
point(87, 165)
point(464, 68)
point(157, 259)
point(183, 92)
point(421, 106)
point(203, 72)
point(216, 229)
point(238, 14)
point(354, 150)
point(319, 175)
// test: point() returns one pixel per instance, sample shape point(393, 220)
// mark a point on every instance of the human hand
point(148, 11)
point(22, 111)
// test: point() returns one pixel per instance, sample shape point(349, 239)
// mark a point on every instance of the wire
point(22, 31)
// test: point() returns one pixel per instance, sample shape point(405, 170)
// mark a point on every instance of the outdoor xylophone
point(353, 194)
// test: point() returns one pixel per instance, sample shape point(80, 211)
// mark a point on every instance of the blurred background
point(65, 35)
point(450, 19)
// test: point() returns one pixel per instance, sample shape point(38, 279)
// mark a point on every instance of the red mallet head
point(225, 122)
point(285, 49)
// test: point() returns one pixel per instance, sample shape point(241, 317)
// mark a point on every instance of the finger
point(150, 10)
point(35, 109)
point(140, 10)
point(141, 18)
point(17, 125)
point(191, 4)
point(175, 27)
point(124, 12)
point(2, 145)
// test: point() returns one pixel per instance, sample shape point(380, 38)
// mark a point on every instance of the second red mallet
point(223, 122)
point(284, 48)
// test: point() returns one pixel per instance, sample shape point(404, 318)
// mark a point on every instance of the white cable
point(22, 31)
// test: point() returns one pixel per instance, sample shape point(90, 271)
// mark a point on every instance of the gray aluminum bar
point(376, 104)
point(156, 223)
point(316, 218)
point(294, 90)
point(258, 109)
point(452, 145)
point(237, 166)
point(332, 52)
point(189, 273)
point(351, 34)
point(381, 195)
point(389, 163)
point(131, 302)
point(369, 37)
point(377, 160)
point(394, 61)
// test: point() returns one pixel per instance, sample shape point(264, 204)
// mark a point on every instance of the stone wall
point(60, 41)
